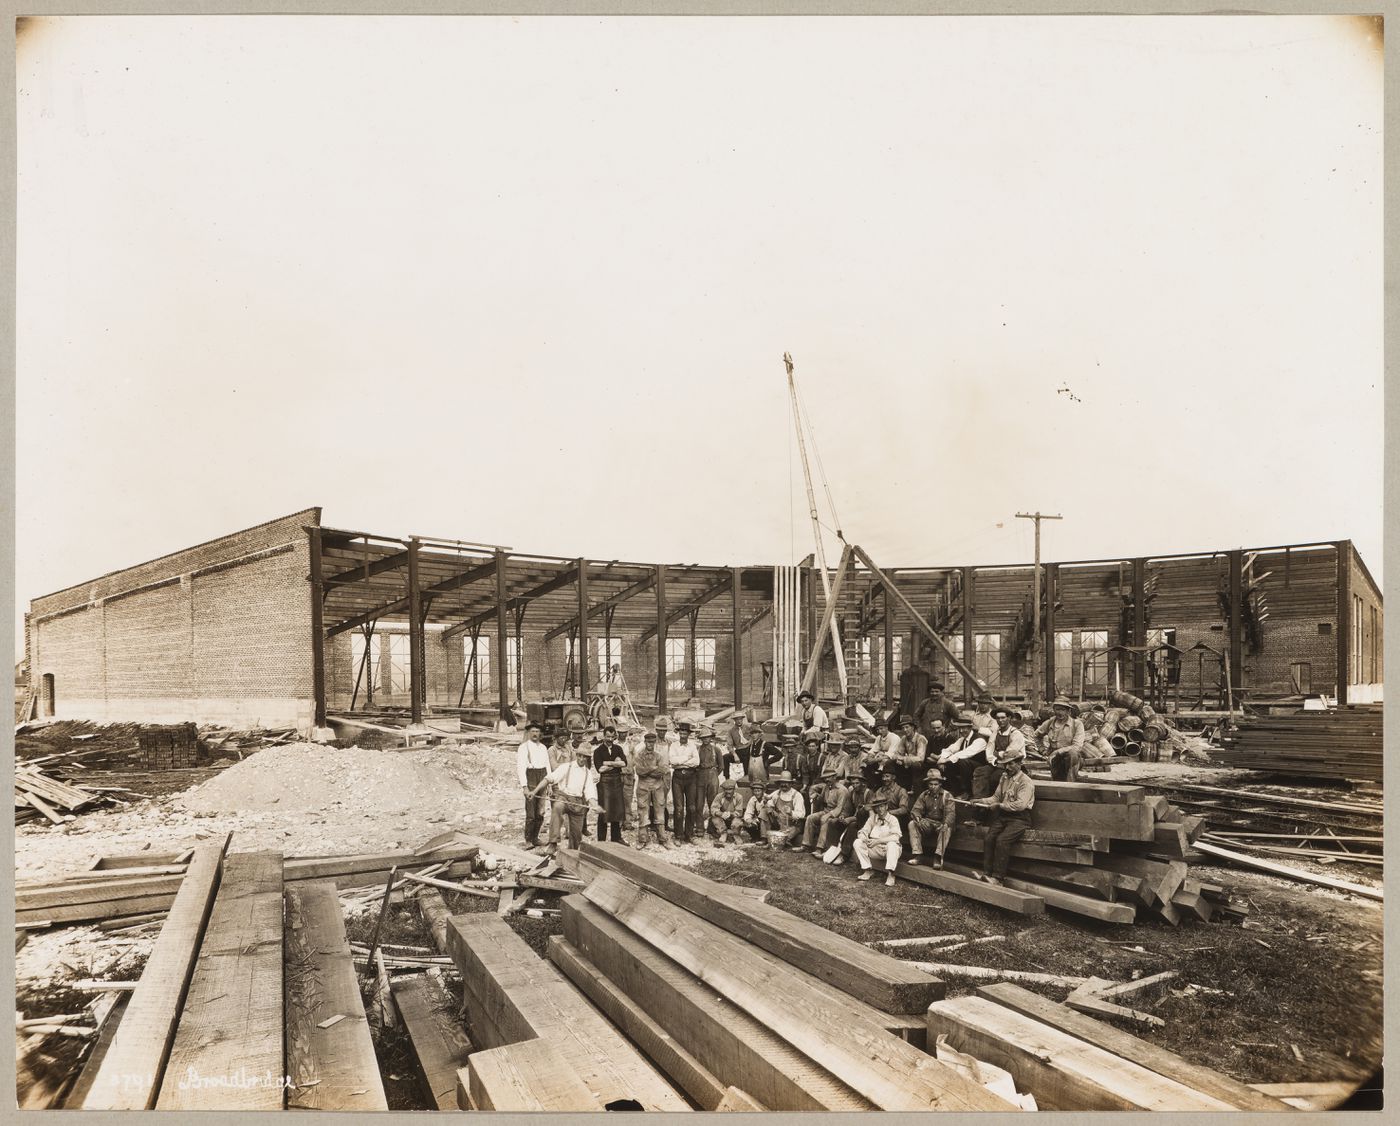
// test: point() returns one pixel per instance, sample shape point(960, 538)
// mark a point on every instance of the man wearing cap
point(935, 706)
point(813, 714)
point(886, 742)
point(708, 784)
point(649, 795)
point(809, 761)
point(1007, 743)
point(609, 760)
point(909, 759)
point(895, 796)
point(833, 797)
point(840, 835)
point(961, 758)
point(727, 813)
point(741, 745)
point(784, 810)
point(574, 789)
point(685, 785)
point(531, 765)
point(755, 809)
point(878, 836)
point(1062, 738)
point(933, 816)
point(1011, 807)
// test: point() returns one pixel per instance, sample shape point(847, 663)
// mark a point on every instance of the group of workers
point(898, 794)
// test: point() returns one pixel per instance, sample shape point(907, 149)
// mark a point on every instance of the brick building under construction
point(280, 623)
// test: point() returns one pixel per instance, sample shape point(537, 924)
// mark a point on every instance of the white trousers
point(890, 848)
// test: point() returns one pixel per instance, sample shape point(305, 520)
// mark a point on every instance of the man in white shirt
point(575, 790)
point(531, 765)
point(886, 742)
point(880, 836)
point(784, 810)
point(813, 714)
point(685, 787)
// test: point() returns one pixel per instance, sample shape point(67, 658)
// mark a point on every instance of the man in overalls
point(650, 793)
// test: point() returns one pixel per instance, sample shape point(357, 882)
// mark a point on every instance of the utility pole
point(1035, 607)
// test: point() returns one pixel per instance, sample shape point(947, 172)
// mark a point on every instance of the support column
point(1140, 626)
point(661, 636)
point(1236, 620)
point(1052, 589)
point(736, 576)
point(502, 668)
point(318, 632)
point(1344, 626)
point(889, 642)
point(969, 578)
point(415, 637)
point(583, 682)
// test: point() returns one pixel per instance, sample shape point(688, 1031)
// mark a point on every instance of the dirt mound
point(310, 778)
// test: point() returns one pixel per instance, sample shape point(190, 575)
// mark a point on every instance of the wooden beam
point(1129, 1047)
point(683, 1070)
point(737, 1048)
point(531, 1076)
point(318, 630)
point(332, 1067)
point(890, 1072)
point(1063, 1072)
point(400, 605)
point(440, 1045)
point(1047, 643)
point(502, 665)
point(416, 654)
point(1236, 622)
point(1140, 624)
point(132, 1070)
point(889, 642)
point(705, 596)
point(231, 1024)
point(660, 631)
point(1122, 822)
point(877, 979)
point(1291, 873)
point(969, 581)
point(609, 603)
point(736, 588)
point(512, 995)
point(558, 582)
point(584, 684)
point(967, 887)
point(968, 675)
point(367, 570)
point(819, 636)
point(1344, 627)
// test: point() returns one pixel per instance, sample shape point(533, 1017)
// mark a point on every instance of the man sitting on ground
point(933, 815)
point(879, 837)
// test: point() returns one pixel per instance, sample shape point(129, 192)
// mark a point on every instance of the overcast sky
point(529, 282)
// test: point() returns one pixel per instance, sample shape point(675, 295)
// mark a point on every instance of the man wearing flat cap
point(649, 765)
point(1062, 738)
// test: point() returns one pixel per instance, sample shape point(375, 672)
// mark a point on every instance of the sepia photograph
point(748, 563)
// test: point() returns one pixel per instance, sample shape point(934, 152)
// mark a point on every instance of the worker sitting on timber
point(609, 760)
point(808, 761)
point(895, 796)
point(1062, 738)
point(960, 758)
point(813, 714)
point(727, 813)
point(574, 790)
point(833, 798)
point(685, 786)
point(880, 837)
point(886, 742)
point(935, 706)
point(933, 815)
point(756, 809)
point(909, 760)
point(1011, 807)
point(1007, 743)
point(650, 793)
point(531, 765)
point(841, 832)
point(785, 810)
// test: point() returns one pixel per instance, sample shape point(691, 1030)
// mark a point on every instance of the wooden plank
point(1051, 897)
point(517, 858)
point(1063, 1072)
point(959, 882)
point(227, 1053)
point(881, 981)
point(435, 915)
point(563, 884)
point(513, 995)
point(739, 1102)
point(739, 1050)
point(1088, 999)
point(970, 838)
point(1103, 793)
point(1165, 876)
point(1092, 879)
point(103, 891)
point(882, 1067)
point(1121, 822)
point(107, 1030)
point(678, 1065)
point(1129, 1047)
point(440, 1043)
point(331, 1068)
point(531, 1076)
point(91, 912)
point(1170, 838)
point(1292, 873)
point(132, 1069)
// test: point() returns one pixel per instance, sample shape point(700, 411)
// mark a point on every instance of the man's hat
point(683, 725)
point(648, 735)
point(934, 775)
point(784, 777)
point(532, 727)
point(805, 696)
point(610, 727)
point(908, 721)
point(662, 721)
point(881, 721)
point(1061, 701)
point(727, 784)
point(932, 684)
point(888, 768)
point(874, 801)
point(812, 735)
point(1001, 709)
point(853, 739)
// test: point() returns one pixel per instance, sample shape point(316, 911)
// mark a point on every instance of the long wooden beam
point(736, 653)
point(828, 626)
point(621, 596)
point(563, 579)
point(367, 570)
point(399, 605)
point(967, 674)
point(721, 587)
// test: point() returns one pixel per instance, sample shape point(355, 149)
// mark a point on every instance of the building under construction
point(281, 623)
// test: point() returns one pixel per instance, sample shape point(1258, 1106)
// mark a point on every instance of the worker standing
point(609, 760)
point(531, 765)
point(685, 786)
point(575, 790)
point(649, 795)
point(935, 706)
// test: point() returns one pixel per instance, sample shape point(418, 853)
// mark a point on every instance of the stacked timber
point(1345, 744)
point(38, 795)
point(1107, 852)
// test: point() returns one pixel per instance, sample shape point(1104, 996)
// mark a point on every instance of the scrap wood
point(1291, 873)
point(464, 889)
point(1087, 999)
point(919, 941)
point(986, 973)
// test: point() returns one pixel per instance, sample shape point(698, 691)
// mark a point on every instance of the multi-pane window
point(607, 651)
point(478, 672)
point(1064, 660)
point(1356, 647)
point(513, 667)
point(366, 677)
point(398, 664)
point(705, 664)
point(1092, 643)
point(675, 664)
point(953, 680)
point(988, 666)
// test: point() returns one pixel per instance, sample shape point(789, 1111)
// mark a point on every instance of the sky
point(529, 281)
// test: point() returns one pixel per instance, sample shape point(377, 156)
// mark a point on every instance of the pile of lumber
point(1107, 852)
point(1343, 744)
point(665, 984)
point(128, 890)
point(39, 795)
